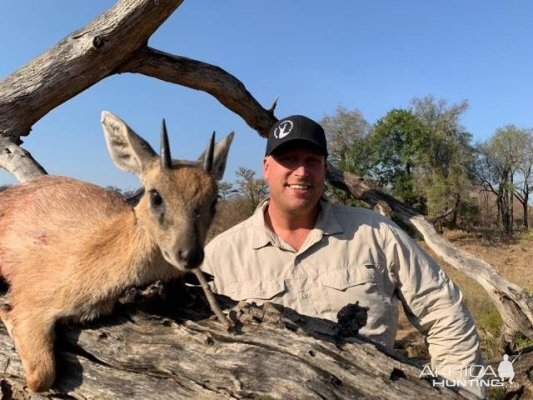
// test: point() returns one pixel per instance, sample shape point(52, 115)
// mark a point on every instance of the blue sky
point(371, 55)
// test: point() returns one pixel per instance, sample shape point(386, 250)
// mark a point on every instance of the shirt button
point(305, 295)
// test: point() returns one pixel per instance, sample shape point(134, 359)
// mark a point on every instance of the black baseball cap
point(293, 128)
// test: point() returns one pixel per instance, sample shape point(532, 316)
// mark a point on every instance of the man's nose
point(300, 169)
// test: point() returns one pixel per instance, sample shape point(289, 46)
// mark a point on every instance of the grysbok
point(68, 248)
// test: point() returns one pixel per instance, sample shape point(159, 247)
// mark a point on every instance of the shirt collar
point(327, 220)
point(327, 223)
point(262, 234)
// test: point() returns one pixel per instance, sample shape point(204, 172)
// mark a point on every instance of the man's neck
point(293, 228)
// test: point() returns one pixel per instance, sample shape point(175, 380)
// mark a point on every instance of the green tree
point(394, 150)
point(446, 157)
point(523, 183)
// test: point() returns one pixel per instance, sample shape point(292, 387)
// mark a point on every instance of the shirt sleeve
point(434, 305)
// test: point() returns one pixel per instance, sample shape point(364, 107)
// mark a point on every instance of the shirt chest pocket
point(254, 290)
point(351, 276)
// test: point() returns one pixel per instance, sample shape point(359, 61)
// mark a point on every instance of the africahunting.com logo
point(471, 375)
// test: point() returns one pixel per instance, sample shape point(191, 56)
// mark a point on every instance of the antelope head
point(179, 198)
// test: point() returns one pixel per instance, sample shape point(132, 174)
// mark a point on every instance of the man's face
point(295, 176)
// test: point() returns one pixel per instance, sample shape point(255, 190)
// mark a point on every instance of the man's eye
point(287, 160)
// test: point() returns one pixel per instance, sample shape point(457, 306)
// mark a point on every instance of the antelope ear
point(128, 150)
point(220, 156)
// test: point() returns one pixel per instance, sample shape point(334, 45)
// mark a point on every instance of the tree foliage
point(423, 154)
point(345, 130)
point(347, 134)
point(225, 190)
point(397, 142)
point(447, 157)
point(523, 183)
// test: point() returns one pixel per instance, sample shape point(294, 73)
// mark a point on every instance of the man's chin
point(302, 204)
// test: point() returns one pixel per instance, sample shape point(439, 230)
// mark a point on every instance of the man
point(303, 252)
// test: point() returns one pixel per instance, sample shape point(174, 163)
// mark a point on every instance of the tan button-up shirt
point(351, 255)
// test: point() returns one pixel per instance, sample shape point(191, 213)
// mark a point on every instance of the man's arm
point(434, 305)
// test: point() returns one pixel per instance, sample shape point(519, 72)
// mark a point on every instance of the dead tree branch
point(227, 89)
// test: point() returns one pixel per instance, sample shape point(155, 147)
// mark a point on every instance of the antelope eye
point(155, 199)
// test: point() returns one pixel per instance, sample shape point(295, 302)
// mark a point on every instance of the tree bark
point(77, 62)
point(18, 161)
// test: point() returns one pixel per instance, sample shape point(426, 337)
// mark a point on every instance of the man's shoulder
point(344, 211)
point(359, 219)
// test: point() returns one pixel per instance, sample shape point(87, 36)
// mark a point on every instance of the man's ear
point(266, 166)
point(128, 150)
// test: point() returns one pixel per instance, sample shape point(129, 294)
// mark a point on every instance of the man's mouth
point(299, 186)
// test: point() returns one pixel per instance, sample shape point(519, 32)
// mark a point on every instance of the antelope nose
point(192, 258)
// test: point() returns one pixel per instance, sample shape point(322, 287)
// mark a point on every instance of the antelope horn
point(209, 154)
point(166, 159)
point(273, 106)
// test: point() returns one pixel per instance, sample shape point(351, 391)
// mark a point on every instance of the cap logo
point(283, 129)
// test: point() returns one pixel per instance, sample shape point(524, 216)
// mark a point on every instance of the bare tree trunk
point(456, 211)
point(511, 201)
point(525, 208)
point(523, 199)
point(504, 210)
point(18, 161)
point(115, 42)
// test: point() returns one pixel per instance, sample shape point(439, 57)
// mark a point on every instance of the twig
point(211, 299)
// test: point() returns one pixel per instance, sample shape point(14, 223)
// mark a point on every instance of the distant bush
point(229, 213)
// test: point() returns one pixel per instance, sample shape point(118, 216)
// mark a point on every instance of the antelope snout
point(191, 257)
point(185, 258)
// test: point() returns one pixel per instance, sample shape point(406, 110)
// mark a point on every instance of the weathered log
point(150, 349)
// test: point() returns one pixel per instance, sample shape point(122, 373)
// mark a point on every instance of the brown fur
point(69, 248)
